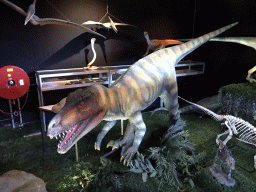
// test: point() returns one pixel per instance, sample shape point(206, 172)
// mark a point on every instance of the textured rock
point(239, 107)
point(239, 100)
point(20, 181)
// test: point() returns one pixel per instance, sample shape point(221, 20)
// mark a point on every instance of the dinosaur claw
point(97, 146)
point(110, 144)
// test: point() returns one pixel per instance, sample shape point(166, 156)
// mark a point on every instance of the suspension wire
point(58, 11)
point(110, 15)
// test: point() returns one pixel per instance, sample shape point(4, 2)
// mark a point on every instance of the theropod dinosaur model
point(137, 88)
point(248, 41)
point(35, 20)
point(245, 131)
point(156, 44)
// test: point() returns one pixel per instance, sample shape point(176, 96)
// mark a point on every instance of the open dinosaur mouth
point(77, 131)
point(68, 138)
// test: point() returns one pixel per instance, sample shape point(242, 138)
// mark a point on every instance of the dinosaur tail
point(180, 51)
point(207, 111)
point(248, 41)
point(187, 108)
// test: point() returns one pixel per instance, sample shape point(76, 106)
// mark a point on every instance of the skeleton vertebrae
point(245, 131)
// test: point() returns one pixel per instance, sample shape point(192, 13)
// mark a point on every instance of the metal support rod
point(122, 127)
point(76, 152)
point(10, 105)
point(21, 123)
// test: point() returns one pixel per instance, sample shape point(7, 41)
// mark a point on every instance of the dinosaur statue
point(35, 20)
point(248, 41)
point(136, 89)
point(210, 103)
point(244, 131)
point(156, 44)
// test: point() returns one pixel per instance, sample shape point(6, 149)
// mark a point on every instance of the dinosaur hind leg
point(170, 99)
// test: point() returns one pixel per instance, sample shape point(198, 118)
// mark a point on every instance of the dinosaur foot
point(128, 150)
point(128, 154)
point(97, 146)
point(251, 80)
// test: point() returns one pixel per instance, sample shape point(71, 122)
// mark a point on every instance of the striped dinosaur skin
point(144, 81)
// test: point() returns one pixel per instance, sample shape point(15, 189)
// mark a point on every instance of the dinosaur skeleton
point(245, 131)
point(35, 20)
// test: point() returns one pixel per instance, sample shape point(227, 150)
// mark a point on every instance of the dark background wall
point(44, 47)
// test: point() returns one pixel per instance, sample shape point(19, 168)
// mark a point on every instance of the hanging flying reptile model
point(108, 25)
point(35, 20)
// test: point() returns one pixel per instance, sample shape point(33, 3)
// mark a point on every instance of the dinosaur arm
point(102, 134)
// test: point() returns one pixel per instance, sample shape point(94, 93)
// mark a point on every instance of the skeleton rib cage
point(244, 131)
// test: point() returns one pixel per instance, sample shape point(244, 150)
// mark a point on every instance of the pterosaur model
point(35, 20)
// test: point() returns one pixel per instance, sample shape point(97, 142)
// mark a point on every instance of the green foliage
point(108, 178)
point(78, 177)
point(245, 90)
point(144, 166)
point(173, 163)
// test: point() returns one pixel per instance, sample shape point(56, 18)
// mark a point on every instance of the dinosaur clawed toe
point(128, 155)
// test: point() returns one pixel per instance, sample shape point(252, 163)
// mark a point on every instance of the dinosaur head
point(82, 112)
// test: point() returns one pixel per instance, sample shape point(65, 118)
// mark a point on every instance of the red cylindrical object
point(14, 82)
